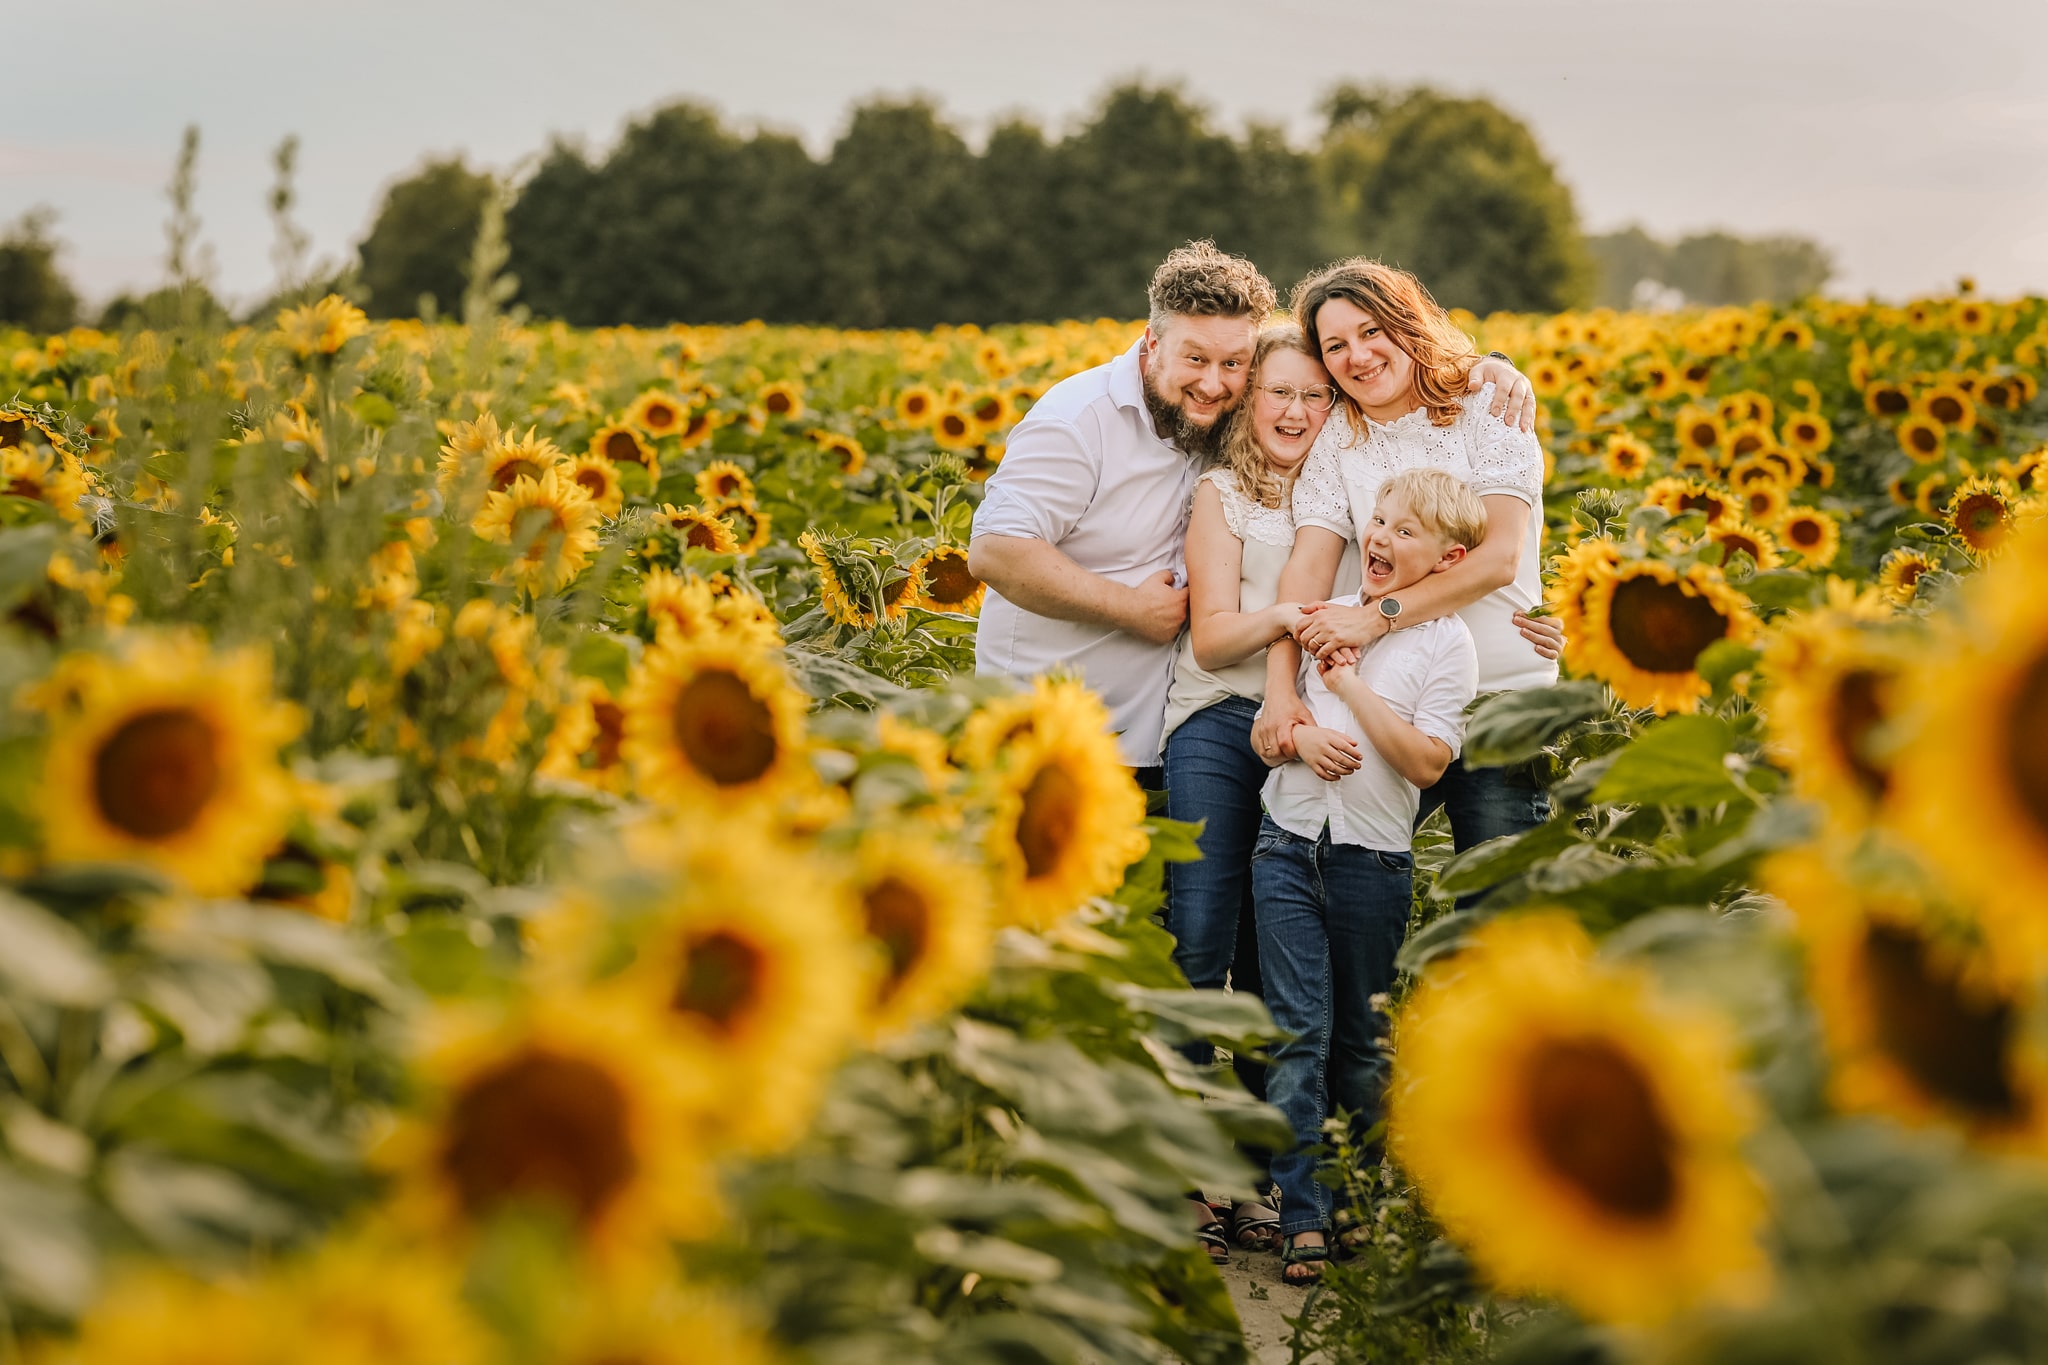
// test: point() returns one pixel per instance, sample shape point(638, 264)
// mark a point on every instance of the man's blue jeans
point(1212, 775)
point(1484, 803)
point(1331, 919)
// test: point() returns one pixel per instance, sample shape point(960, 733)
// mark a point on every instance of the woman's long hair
point(1242, 454)
point(1443, 355)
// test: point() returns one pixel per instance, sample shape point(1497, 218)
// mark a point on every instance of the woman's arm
point(1419, 758)
point(1223, 634)
point(1489, 567)
point(1310, 574)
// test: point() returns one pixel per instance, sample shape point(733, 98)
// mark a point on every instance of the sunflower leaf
point(1681, 761)
point(1512, 727)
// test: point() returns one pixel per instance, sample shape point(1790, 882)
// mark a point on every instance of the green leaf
point(602, 656)
point(47, 958)
point(1781, 588)
point(1496, 860)
point(1681, 761)
point(1511, 727)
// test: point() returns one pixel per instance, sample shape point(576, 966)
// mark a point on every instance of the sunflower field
point(503, 858)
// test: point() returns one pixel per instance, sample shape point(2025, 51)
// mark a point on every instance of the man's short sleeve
point(1047, 479)
point(1452, 683)
point(1320, 497)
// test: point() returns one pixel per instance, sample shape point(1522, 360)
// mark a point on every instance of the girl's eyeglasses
point(1316, 397)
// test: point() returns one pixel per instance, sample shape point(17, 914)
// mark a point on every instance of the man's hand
point(1543, 632)
point(1329, 754)
point(1273, 731)
point(1514, 397)
point(1156, 610)
point(1325, 627)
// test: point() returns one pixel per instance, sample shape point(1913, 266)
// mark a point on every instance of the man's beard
point(1173, 424)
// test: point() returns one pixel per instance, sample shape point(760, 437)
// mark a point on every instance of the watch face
point(1389, 608)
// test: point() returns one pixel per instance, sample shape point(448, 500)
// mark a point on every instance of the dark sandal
point(1210, 1232)
point(1293, 1255)
point(1255, 1225)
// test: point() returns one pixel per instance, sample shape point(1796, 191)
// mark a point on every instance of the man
point(1079, 537)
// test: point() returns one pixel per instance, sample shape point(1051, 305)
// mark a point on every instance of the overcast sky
point(1910, 137)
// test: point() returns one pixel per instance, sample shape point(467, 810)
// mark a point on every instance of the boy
point(1332, 875)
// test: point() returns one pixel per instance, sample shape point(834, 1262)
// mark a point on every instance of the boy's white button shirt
point(1428, 674)
point(1086, 471)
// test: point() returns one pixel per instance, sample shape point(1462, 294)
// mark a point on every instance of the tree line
point(904, 223)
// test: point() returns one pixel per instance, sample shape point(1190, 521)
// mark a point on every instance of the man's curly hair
point(1198, 280)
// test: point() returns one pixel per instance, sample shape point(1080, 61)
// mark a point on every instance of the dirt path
point(1263, 1305)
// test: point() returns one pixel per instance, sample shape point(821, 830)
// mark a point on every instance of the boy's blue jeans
point(1331, 919)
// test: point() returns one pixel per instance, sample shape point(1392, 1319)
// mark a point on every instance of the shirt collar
point(1127, 380)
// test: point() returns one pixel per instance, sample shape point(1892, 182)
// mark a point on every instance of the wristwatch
point(1390, 607)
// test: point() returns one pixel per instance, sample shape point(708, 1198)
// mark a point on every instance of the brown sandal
point(1255, 1225)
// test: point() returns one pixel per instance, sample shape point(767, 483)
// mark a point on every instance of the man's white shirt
point(1085, 471)
point(1428, 674)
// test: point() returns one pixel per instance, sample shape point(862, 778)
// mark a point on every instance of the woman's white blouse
point(1341, 479)
point(1267, 534)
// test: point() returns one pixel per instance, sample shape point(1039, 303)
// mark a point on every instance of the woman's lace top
point(1348, 465)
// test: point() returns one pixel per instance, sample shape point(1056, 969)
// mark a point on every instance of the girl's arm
point(1488, 568)
point(1419, 758)
point(1221, 633)
point(1310, 574)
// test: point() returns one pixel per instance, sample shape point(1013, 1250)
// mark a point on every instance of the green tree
point(1623, 261)
point(552, 233)
point(1455, 190)
point(421, 241)
point(1011, 244)
point(34, 294)
point(1710, 268)
point(897, 199)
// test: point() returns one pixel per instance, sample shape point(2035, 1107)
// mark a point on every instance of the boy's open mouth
point(1378, 565)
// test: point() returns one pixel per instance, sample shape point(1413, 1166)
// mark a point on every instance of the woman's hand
point(1325, 627)
point(1284, 617)
point(1273, 731)
point(1543, 632)
point(1329, 754)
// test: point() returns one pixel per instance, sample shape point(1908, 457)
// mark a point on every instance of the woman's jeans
point(1331, 920)
point(1213, 776)
point(1485, 803)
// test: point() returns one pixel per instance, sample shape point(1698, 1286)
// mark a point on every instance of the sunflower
point(1698, 429)
point(357, 1296)
point(552, 524)
point(1885, 399)
point(1578, 1133)
point(1763, 503)
point(1949, 404)
point(1753, 469)
point(1973, 771)
point(585, 742)
point(295, 875)
point(1793, 333)
point(462, 457)
point(1820, 473)
point(724, 481)
point(688, 606)
point(839, 604)
point(1982, 512)
point(712, 717)
point(750, 525)
point(1746, 439)
point(623, 444)
point(601, 1321)
point(1626, 458)
point(698, 529)
point(927, 910)
point(1068, 818)
point(1547, 377)
point(954, 429)
point(916, 406)
point(1900, 573)
point(990, 411)
point(511, 458)
point(1645, 625)
point(598, 477)
point(1679, 496)
point(16, 422)
point(845, 453)
point(1750, 539)
point(750, 964)
point(658, 414)
point(1931, 493)
point(1813, 533)
point(948, 585)
point(575, 1105)
point(321, 329)
point(1807, 432)
point(46, 476)
point(1746, 406)
point(159, 1316)
point(782, 401)
point(1575, 570)
point(1693, 463)
point(701, 427)
point(1922, 1021)
point(165, 753)
point(1834, 688)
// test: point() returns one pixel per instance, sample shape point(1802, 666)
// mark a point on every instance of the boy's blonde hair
point(1444, 504)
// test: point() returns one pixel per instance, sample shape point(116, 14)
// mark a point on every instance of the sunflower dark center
point(1702, 502)
point(540, 1126)
point(724, 730)
point(1980, 518)
point(1804, 532)
point(12, 429)
point(659, 415)
point(1858, 711)
point(1598, 1124)
point(948, 580)
point(621, 448)
point(23, 486)
point(539, 529)
point(611, 732)
point(1050, 819)
point(1661, 628)
point(900, 919)
point(1946, 408)
point(593, 482)
point(1703, 434)
point(154, 776)
point(1890, 402)
point(701, 536)
point(512, 471)
point(1953, 1045)
point(2027, 743)
point(721, 980)
point(988, 410)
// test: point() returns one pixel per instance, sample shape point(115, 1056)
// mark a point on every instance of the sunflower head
point(1949, 404)
point(916, 406)
point(1645, 624)
point(551, 525)
point(1814, 534)
point(1900, 573)
point(598, 477)
point(622, 444)
point(697, 529)
point(954, 429)
point(724, 481)
point(750, 525)
point(1923, 439)
point(1681, 495)
point(1982, 512)
point(925, 910)
point(318, 331)
point(1885, 399)
point(948, 584)
point(1626, 457)
point(658, 414)
point(713, 718)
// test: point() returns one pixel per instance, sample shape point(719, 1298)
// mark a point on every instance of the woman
point(1402, 365)
point(1240, 532)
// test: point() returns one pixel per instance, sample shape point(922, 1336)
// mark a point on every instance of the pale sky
point(1909, 136)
